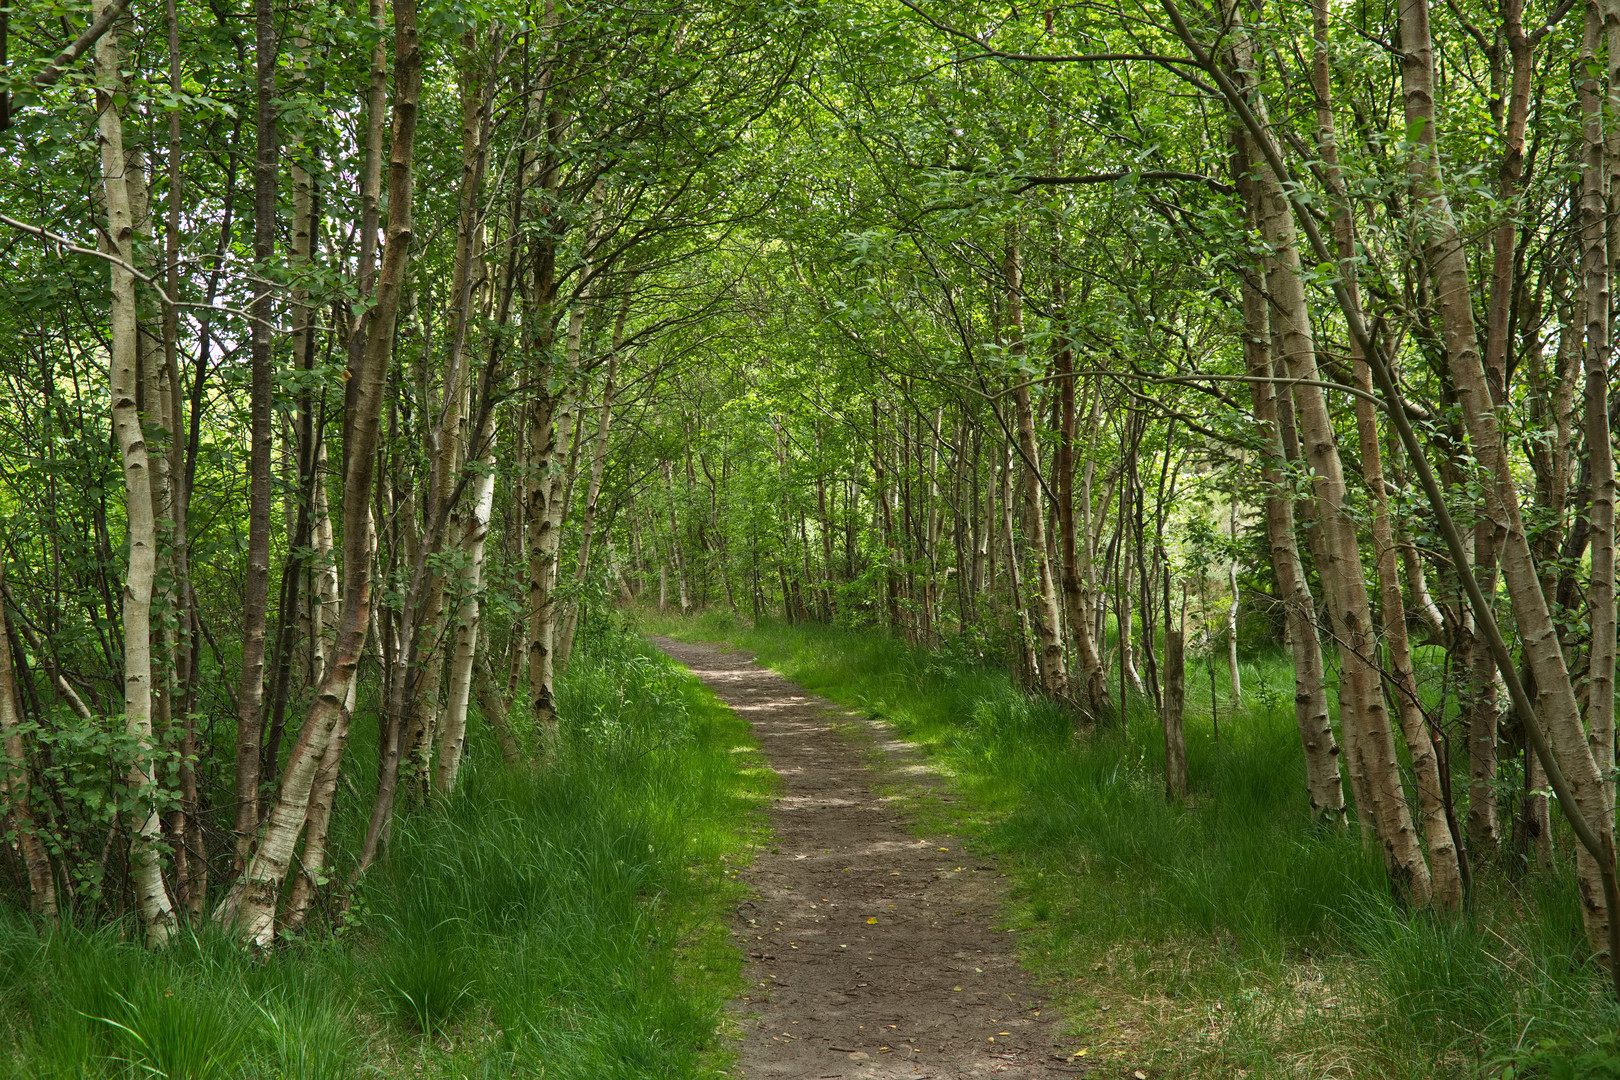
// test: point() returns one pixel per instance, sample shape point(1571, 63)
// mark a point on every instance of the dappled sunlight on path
point(873, 954)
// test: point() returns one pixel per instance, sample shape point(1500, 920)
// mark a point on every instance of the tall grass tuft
point(562, 922)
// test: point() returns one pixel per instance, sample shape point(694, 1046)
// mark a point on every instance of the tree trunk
point(1025, 654)
point(1175, 695)
point(317, 830)
point(493, 708)
point(1233, 673)
point(1360, 689)
point(453, 732)
point(251, 908)
point(152, 901)
point(1322, 781)
point(1557, 706)
point(1600, 595)
point(543, 525)
point(14, 781)
point(593, 491)
point(1045, 618)
point(250, 691)
point(1091, 689)
point(1445, 860)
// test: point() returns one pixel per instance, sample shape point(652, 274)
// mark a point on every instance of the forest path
point(872, 954)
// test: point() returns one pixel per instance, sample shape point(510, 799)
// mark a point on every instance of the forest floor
point(873, 952)
point(568, 923)
point(1225, 936)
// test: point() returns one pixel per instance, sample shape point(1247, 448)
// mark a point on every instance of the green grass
point(566, 922)
point(1231, 935)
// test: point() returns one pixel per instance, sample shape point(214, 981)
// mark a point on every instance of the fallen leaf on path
point(871, 922)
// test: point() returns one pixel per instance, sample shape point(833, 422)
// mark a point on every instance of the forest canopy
point(360, 362)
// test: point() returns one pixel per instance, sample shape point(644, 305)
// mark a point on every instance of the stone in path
point(872, 954)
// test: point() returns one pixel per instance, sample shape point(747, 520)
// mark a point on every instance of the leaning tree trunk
point(317, 829)
point(445, 520)
point(1360, 688)
point(1445, 860)
point(492, 705)
point(1322, 782)
point(1484, 831)
point(252, 906)
point(152, 901)
point(1556, 706)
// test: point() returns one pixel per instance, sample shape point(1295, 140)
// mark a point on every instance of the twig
point(64, 244)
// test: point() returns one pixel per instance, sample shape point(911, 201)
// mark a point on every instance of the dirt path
point(872, 954)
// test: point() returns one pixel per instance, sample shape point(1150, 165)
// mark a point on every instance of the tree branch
point(92, 33)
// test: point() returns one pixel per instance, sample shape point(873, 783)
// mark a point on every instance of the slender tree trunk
point(1360, 688)
point(14, 781)
point(1600, 594)
point(551, 419)
point(155, 398)
point(493, 707)
point(1322, 781)
point(1484, 833)
point(191, 874)
point(453, 733)
point(1175, 696)
point(1233, 673)
point(152, 901)
point(252, 906)
point(1045, 616)
point(1092, 683)
point(593, 491)
point(444, 519)
point(1557, 707)
point(1025, 655)
point(1445, 858)
point(250, 691)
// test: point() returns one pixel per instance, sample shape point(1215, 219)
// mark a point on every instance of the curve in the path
point(872, 954)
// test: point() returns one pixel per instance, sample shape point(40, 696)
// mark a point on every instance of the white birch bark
point(453, 731)
point(152, 902)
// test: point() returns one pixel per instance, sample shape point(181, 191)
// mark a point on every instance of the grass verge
point(1228, 936)
point(567, 923)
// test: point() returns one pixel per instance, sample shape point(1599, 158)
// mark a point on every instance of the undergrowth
point(563, 922)
point(1230, 935)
